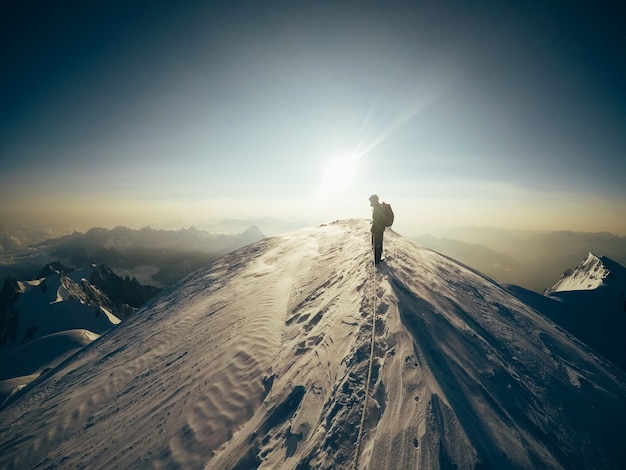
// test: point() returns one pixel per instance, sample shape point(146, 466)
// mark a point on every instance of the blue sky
point(458, 113)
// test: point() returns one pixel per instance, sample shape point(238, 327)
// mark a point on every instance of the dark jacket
point(378, 224)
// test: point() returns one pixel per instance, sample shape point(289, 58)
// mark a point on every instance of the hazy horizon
point(269, 226)
point(498, 115)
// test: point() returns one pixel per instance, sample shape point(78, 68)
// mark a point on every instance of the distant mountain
point(593, 273)
point(530, 259)
point(496, 265)
point(295, 352)
point(589, 302)
point(268, 225)
point(158, 257)
point(126, 246)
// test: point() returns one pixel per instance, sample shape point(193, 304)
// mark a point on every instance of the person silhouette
point(378, 228)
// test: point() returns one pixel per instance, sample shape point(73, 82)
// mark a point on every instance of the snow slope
point(261, 360)
point(25, 363)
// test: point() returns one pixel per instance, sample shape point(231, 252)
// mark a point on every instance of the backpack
point(387, 214)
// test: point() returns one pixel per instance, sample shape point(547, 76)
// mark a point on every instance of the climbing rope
point(359, 438)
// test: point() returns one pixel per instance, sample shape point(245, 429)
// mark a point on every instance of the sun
point(337, 175)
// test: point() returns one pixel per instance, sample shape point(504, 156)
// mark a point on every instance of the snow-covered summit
point(593, 272)
point(262, 360)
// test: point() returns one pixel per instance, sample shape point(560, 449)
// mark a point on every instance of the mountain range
point(527, 258)
point(296, 352)
point(152, 256)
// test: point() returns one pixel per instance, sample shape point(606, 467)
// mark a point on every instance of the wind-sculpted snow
point(261, 359)
point(526, 394)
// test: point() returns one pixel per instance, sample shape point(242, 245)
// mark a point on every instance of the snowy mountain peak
point(295, 352)
point(593, 272)
point(36, 308)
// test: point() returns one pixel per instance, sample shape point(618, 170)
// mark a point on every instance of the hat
point(373, 197)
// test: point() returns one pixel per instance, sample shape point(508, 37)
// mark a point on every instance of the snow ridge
point(261, 360)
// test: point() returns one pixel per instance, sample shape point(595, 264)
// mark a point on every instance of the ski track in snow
point(260, 361)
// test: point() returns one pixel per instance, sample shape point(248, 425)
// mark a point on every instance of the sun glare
point(337, 176)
